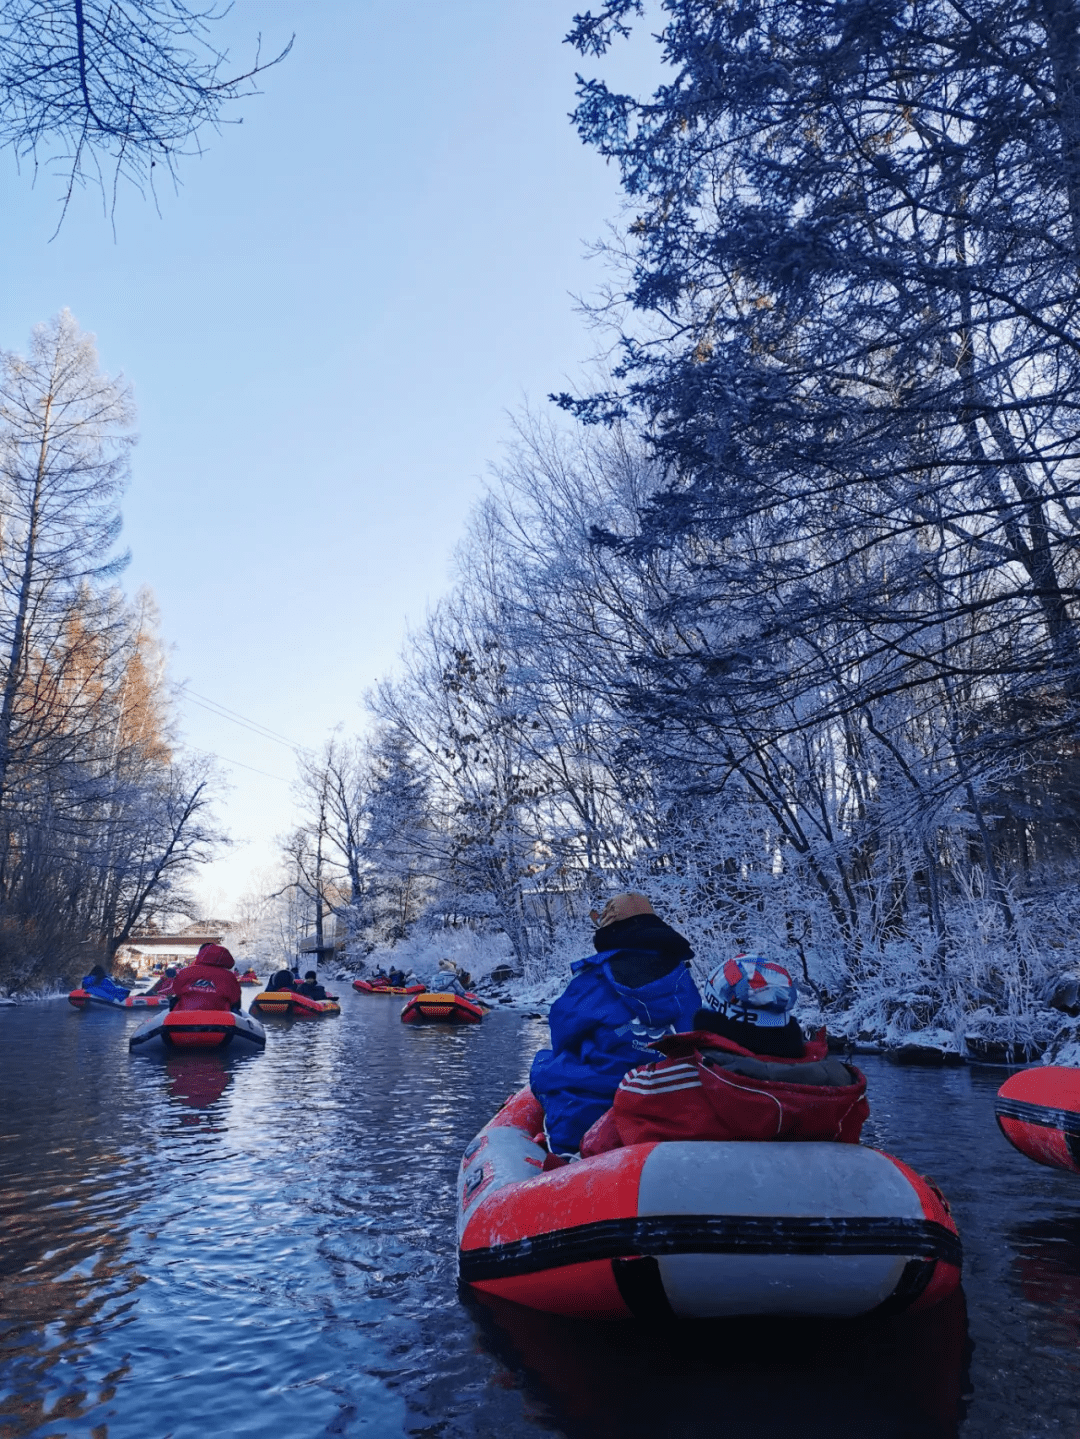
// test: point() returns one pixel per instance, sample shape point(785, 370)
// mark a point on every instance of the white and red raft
point(86, 999)
point(699, 1229)
point(199, 1029)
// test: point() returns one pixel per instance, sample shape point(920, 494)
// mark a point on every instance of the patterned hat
point(752, 988)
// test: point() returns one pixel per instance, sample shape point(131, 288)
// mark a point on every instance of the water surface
point(263, 1245)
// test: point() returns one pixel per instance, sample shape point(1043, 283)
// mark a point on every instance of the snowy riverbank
point(898, 1015)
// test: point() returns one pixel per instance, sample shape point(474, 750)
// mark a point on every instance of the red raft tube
point(433, 1008)
point(83, 999)
point(249, 977)
point(365, 986)
point(1038, 1111)
point(699, 1229)
point(195, 1029)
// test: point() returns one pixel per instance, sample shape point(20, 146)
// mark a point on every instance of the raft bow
point(1038, 1111)
point(699, 1229)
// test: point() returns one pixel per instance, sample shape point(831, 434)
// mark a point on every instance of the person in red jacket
point(744, 1072)
point(209, 983)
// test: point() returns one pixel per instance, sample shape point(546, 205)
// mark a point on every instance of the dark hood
point(642, 931)
point(647, 949)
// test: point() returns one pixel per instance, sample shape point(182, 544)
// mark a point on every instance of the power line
point(234, 717)
point(226, 760)
point(241, 724)
point(246, 718)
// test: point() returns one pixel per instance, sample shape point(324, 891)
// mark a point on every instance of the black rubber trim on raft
point(912, 1284)
point(169, 1041)
point(1067, 1120)
point(201, 1029)
point(641, 1288)
point(709, 1234)
point(1041, 1118)
point(137, 1039)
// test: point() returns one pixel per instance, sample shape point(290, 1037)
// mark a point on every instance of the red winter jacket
point(708, 1087)
point(209, 983)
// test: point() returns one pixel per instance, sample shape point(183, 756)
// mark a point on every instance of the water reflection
point(197, 1080)
point(1047, 1268)
point(68, 1194)
point(903, 1376)
point(271, 1237)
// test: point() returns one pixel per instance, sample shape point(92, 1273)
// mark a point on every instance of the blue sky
point(325, 329)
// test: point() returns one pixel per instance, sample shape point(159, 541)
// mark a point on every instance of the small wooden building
point(147, 953)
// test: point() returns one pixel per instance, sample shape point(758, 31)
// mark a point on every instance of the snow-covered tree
point(101, 820)
point(850, 331)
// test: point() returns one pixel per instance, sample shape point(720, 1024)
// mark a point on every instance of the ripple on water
point(263, 1245)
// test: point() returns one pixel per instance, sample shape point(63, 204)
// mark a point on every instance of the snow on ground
point(421, 953)
point(891, 1010)
point(1064, 1048)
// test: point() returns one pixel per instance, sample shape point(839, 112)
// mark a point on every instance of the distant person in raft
point(445, 979)
point(98, 982)
point(636, 989)
point(209, 983)
point(311, 986)
point(164, 984)
point(743, 1072)
point(283, 979)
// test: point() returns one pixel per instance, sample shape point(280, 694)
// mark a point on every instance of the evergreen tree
point(853, 265)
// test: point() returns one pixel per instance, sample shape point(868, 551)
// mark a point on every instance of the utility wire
point(226, 760)
point(234, 717)
point(246, 718)
point(220, 714)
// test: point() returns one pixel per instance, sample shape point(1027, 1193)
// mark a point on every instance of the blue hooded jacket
point(105, 988)
point(601, 1028)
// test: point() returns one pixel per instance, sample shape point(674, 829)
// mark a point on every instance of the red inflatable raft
point(83, 999)
point(429, 1008)
point(288, 1002)
point(1038, 1111)
point(249, 977)
point(200, 1029)
point(365, 986)
point(699, 1229)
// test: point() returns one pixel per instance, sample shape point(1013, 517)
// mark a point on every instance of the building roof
point(169, 941)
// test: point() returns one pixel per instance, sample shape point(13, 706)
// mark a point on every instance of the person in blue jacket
point(98, 982)
point(636, 989)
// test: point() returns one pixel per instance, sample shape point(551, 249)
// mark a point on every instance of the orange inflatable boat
point(283, 1002)
point(1038, 1111)
point(431, 1008)
point(699, 1229)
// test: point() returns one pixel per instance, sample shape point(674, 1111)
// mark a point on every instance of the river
point(196, 1246)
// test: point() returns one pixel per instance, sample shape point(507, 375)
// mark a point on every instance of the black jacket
point(782, 1042)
